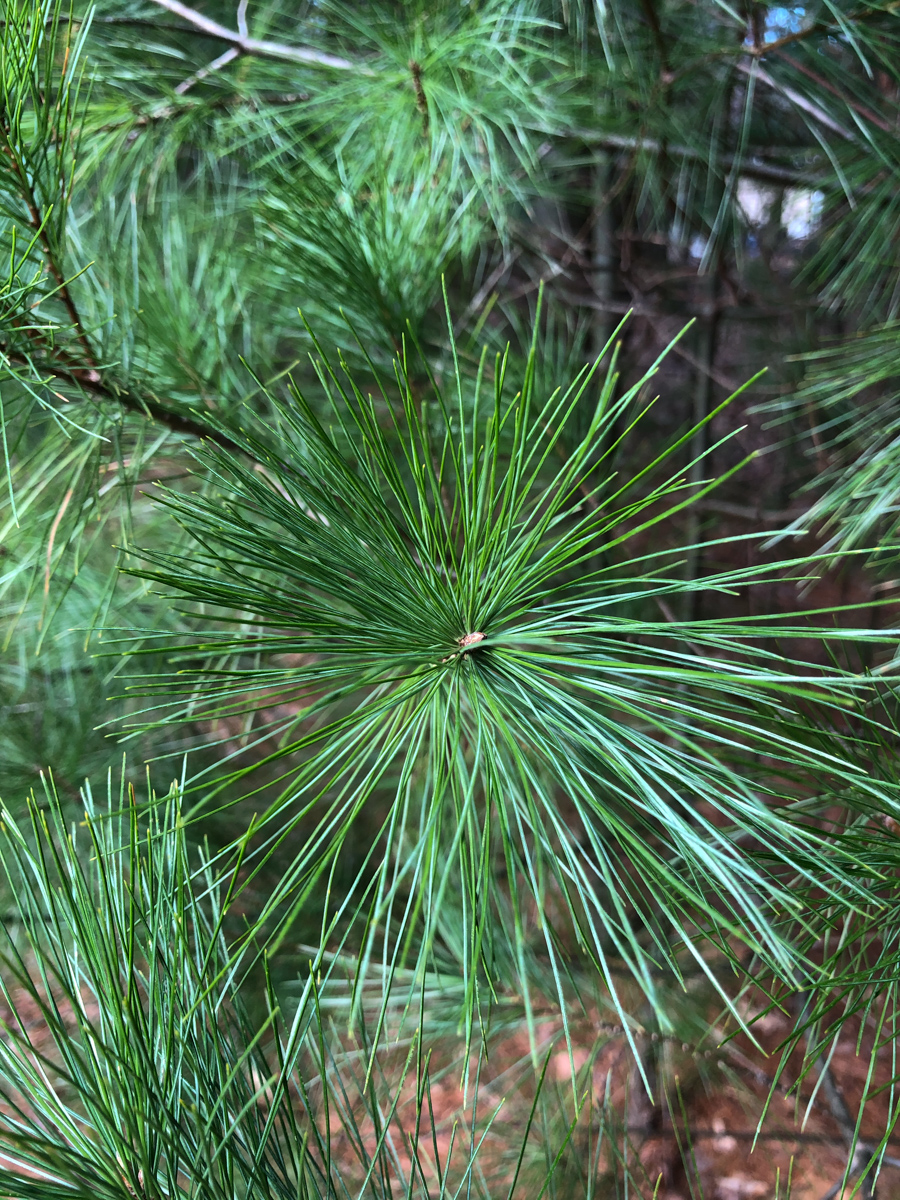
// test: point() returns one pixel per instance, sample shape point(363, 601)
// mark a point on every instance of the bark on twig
point(421, 100)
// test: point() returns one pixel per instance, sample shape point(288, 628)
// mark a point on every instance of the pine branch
point(156, 410)
point(86, 374)
point(257, 46)
point(89, 379)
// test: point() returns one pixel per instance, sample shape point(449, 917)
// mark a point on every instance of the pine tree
point(381, 392)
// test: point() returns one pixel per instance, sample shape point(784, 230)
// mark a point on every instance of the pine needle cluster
point(477, 725)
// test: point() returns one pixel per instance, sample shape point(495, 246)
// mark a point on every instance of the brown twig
point(748, 513)
point(37, 222)
point(659, 39)
point(421, 99)
point(474, 305)
point(86, 377)
point(789, 39)
point(89, 380)
point(150, 406)
point(86, 374)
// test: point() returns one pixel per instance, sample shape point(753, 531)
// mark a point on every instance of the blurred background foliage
point(176, 182)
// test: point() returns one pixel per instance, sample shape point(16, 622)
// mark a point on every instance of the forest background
point(459, 445)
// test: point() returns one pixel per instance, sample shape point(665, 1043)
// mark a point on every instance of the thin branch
point(863, 111)
point(88, 380)
point(749, 513)
point(751, 168)
point(216, 65)
point(662, 49)
point(861, 1154)
point(604, 257)
point(703, 364)
point(163, 113)
point(36, 219)
point(707, 345)
point(826, 27)
point(53, 528)
point(148, 406)
point(257, 46)
point(421, 101)
point(86, 374)
point(474, 305)
point(797, 99)
point(243, 28)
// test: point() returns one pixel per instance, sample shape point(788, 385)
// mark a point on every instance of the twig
point(750, 514)
point(243, 28)
point(863, 111)
point(156, 410)
point(727, 309)
point(53, 528)
point(602, 276)
point(704, 365)
point(87, 377)
point(276, 99)
point(662, 48)
point(762, 49)
point(751, 168)
point(707, 342)
point(861, 1154)
point(215, 65)
point(146, 406)
point(258, 46)
point(485, 290)
point(36, 219)
point(421, 100)
point(796, 98)
point(86, 374)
